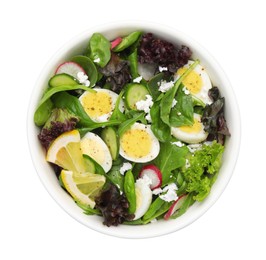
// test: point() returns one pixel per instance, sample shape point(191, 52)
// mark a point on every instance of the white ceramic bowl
point(218, 77)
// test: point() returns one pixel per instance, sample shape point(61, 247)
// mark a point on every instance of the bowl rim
point(132, 231)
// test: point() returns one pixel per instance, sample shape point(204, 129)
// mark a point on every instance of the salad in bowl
point(133, 128)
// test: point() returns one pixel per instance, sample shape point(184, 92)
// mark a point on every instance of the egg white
point(206, 83)
point(190, 137)
point(143, 198)
point(92, 145)
point(155, 146)
point(106, 116)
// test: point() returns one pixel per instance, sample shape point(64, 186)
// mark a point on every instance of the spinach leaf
point(43, 112)
point(128, 123)
point(134, 222)
point(127, 41)
point(161, 130)
point(167, 100)
point(89, 68)
point(116, 177)
point(154, 207)
point(88, 210)
point(153, 85)
point(164, 208)
point(99, 49)
point(117, 114)
point(133, 63)
point(170, 158)
point(183, 112)
point(129, 188)
point(44, 108)
point(72, 104)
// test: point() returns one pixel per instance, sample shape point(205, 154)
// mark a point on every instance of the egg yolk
point(93, 149)
point(195, 128)
point(193, 81)
point(136, 143)
point(97, 104)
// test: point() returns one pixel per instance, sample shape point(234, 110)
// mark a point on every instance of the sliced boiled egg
point(197, 82)
point(92, 145)
point(99, 105)
point(143, 197)
point(190, 134)
point(138, 144)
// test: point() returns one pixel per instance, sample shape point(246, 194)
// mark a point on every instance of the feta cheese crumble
point(148, 117)
point(186, 91)
point(145, 180)
point(145, 105)
point(83, 78)
point(194, 147)
point(161, 69)
point(125, 167)
point(174, 102)
point(137, 80)
point(170, 193)
point(157, 191)
point(178, 143)
point(97, 60)
point(165, 86)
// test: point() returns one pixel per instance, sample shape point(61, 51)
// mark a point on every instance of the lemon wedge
point(83, 187)
point(65, 151)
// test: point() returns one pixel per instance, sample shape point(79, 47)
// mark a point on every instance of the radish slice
point(71, 68)
point(116, 42)
point(154, 174)
point(175, 206)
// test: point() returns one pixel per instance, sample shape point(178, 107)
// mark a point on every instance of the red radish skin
point(116, 42)
point(154, 174)
point(175, 206)
point(69, 67)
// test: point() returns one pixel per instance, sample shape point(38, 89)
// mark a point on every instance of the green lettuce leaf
point(203, 170)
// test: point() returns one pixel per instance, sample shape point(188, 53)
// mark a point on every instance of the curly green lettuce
point(203, 170)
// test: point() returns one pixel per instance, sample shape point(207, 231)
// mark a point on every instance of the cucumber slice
point(90, 166)
point(110, 138)
point(62, 79)
point(134, 93)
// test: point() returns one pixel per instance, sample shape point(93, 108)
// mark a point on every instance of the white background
point(33, 226)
